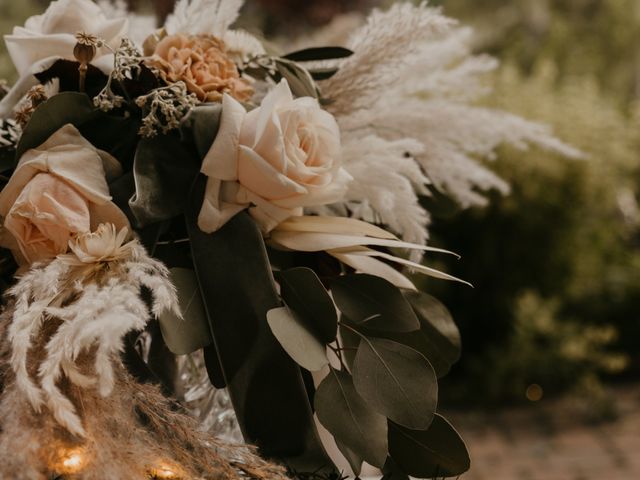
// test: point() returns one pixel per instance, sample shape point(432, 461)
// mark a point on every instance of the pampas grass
point(128, 434)
point(412, 79)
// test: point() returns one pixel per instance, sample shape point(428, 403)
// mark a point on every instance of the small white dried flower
point(164, 108)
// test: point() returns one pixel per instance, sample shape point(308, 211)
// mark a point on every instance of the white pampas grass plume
point(412, 78)
point(94, 295)
point(213, 17)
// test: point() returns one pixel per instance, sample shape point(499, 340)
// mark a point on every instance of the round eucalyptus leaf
point(433, 453)
point(297, 341)
point(374, 303)
point(397, 381)
point(436, 320)
point(352, 422)
point(305, 295)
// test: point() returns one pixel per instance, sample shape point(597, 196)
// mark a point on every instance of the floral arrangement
point(194, 190)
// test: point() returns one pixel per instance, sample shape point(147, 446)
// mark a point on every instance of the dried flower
point(127, 61)
point(23, 114)
point(202, 63)
point(37, 95)
point(164, 108)
point(106, 244)
point(86, 48)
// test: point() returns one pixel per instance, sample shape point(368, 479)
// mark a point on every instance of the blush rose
point(275, 160)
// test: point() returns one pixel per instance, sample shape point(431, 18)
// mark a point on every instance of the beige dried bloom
point(37, 95)
point(202, 63)
point(105, 244)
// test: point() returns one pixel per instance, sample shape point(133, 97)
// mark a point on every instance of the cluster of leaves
point(391, 347)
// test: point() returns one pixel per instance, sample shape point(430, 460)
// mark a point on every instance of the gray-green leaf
point(190, 333)
point(436, 452)
point(297, 341)
point(305, 295)
point(396, 381)
point(374, 302)
point(350, 419)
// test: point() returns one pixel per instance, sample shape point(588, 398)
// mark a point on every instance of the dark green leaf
point(396, 381)
point(350, 342)
point(371, 300)
point(436, 452)
point(392, 471)
point(304, 293)
point(190, 333)
point(113, 134)
point(265, 385)
point(319, 74)
point(355, 460)
point(298, 342)
point(318, 53)
point(437, 324)
point(201, 125)
point(50, 116)
point(438, 338)
point(7, 159)
point(164, 170)
point(350, 420)
point(299, 79)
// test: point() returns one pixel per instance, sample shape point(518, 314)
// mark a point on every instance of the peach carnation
point(202, 63)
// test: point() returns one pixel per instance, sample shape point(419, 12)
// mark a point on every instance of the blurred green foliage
point(556, 264)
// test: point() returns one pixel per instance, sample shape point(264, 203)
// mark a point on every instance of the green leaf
point(190, 333)
point(396, 381)
point(350, 420)
point(318, 53)
point(437, 327)
point(53, 114)
point(298, 342)
point(350, 341)
point(266, 386)
point(436, 452)
point(201, 125)
point(375, 302)
point(392, 471)
point(322, 73)
point(164, 170)
point(355, 460)
point(304, 293)
point(299, 79)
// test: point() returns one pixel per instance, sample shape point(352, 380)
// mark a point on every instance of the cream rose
point(59, 190)
point(48, 37)
point(274, 160)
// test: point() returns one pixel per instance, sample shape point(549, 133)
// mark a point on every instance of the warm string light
point(70, 461)
point(164, 471)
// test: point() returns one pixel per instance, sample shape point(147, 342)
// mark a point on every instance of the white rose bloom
point(48, 37)
point(275, 160)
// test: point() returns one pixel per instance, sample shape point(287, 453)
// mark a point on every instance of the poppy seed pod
point(86, 48)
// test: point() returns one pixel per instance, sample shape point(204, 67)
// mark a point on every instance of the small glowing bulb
point(72, 461)
point(163, 471)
